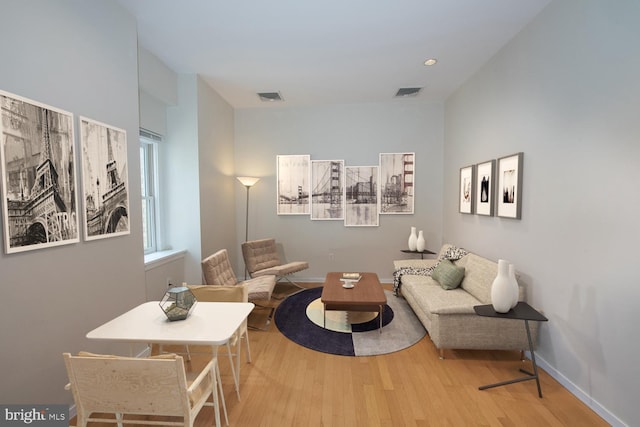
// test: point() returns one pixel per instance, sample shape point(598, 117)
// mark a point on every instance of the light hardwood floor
point(289, 385)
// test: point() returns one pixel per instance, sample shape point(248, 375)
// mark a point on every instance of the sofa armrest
point(415, 263)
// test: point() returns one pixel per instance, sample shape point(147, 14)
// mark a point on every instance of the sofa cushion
point(448, 275)
point(479, 275)
point(434, 300)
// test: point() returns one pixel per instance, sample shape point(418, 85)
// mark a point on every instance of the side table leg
point(533, 358)
point(529, 376)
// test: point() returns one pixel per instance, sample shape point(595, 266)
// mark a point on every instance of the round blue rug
point(400, 328)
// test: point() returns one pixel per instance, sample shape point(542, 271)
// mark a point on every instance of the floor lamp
point(248, 182)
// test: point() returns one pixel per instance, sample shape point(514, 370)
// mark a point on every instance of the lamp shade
point(248, 181)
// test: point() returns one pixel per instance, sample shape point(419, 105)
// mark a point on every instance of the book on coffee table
point(351, 276)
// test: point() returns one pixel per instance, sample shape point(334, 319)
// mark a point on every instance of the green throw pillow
point(448, 274)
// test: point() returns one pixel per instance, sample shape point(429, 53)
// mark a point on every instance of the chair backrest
point(128, 385)
point(260, 254)
point(208, 293)
point(217, 270)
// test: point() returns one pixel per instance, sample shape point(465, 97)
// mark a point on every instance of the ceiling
point(330, 51)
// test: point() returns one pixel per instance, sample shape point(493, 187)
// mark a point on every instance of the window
point(149, 179)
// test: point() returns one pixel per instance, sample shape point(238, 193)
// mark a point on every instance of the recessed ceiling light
point(431, 61)
point(270, 96)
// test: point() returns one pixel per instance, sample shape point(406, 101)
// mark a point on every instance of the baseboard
point(579, 393)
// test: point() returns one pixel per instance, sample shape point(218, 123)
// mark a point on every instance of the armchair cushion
point(282, 270)
point(260, 288)
point(217, 269)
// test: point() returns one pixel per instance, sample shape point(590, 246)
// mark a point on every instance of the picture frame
point(466, 189)
point(39, 178)
point(485, 188)
point(293, 184)
point(105, 183)
point(327, 196)
point(397, 183)
point(509, 190)
point(361, 196)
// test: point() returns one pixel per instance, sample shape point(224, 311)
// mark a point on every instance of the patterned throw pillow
point(448, 275)
point(454, 253)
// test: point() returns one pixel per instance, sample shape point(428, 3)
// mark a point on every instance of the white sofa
point(448, 315)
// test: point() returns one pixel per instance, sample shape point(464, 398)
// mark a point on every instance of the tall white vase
point(501, 290)
point(413, 239)
point(420, 243)
point(513, 282)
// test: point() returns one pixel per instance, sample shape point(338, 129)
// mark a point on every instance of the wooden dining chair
point(237, 293)
point(158, 386)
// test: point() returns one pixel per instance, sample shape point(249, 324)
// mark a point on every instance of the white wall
point(196, 170)
point(565, 92)
point(80, 57)
point(357, 134)
point(217, 179)
point(179, 176)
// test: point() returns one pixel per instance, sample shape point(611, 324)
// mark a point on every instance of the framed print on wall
point(293, 184)
point(466, 201)
point(485, 184)
point(104, 180)
point(397, 178)
point(361, 187)
point(327, 195)
point(510, 186)
point(38, 175)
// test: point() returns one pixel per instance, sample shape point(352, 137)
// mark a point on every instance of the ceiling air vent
point(270, 96)
point(408, 91)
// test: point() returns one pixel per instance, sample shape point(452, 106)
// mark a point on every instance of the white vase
point(501, 290)
point(513, 282)
point(413, 239)
point(420, 243)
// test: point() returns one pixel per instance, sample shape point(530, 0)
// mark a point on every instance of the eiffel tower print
point(38, 175)
point(104, 166)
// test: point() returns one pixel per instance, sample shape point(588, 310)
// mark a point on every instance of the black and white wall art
point(509, 190)
point(39, 181)
point(466, 202)
point(327, 189)
point(485, 184)
point(397, 180)
point(361, 209)
point(293, 189)
point(105, 187)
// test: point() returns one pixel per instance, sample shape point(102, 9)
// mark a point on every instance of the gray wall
point(81, 57)
point(356, 134)
point(565, 92)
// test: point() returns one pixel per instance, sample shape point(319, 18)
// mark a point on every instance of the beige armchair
point(261, 258)
point(103, 384)
point(217, 271)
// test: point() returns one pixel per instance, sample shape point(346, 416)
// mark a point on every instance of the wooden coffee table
point(366, 295)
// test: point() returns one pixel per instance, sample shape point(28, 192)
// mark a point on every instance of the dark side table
point(522, 311)
point(422, 253)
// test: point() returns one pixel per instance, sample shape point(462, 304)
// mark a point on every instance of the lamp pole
point(248, 182)
point(246, 221)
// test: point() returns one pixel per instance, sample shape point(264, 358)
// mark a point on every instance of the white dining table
point(210, 323)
